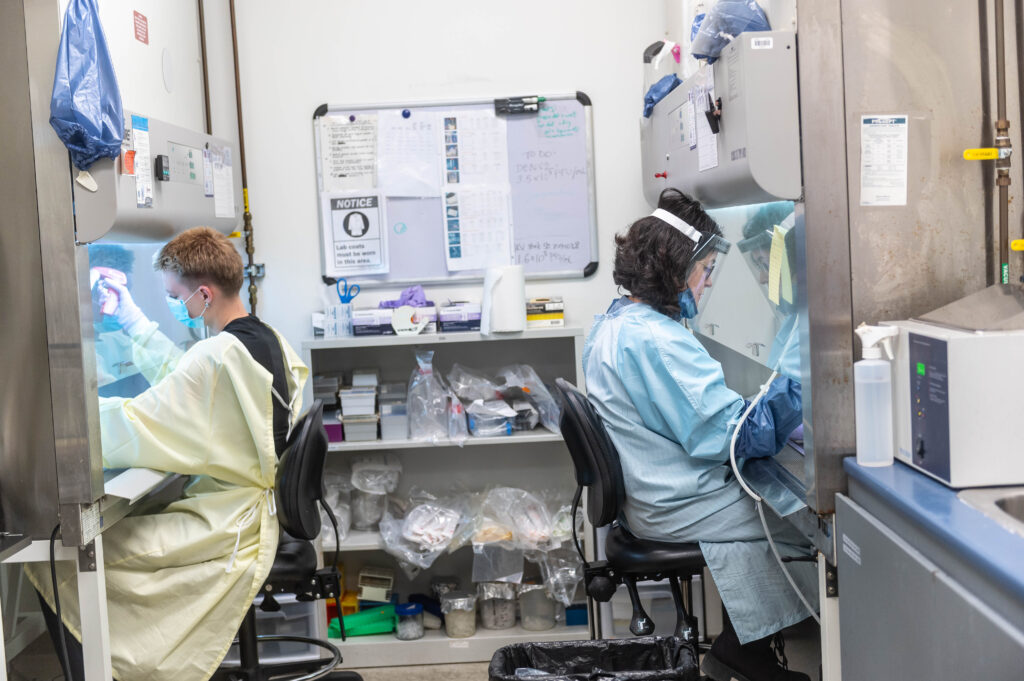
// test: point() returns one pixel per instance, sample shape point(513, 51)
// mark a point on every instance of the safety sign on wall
point(355, 243)
point(883, 160)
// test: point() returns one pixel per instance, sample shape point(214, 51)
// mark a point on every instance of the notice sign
point(141, 27)
point(883, 160)
point(355, 242)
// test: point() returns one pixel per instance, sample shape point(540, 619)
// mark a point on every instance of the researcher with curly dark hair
point(666, 406)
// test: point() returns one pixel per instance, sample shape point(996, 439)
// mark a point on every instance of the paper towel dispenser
point(166, 180)
point(755, 155)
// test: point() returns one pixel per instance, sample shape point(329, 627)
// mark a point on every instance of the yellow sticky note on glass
point(786, 276)
point(776, 261)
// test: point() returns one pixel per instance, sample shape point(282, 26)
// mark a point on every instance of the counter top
point(996, 552)
point(10, 544)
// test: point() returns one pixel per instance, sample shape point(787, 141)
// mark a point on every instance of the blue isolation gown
point(665, 404)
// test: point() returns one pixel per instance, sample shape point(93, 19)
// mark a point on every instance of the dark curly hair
point(651, 258)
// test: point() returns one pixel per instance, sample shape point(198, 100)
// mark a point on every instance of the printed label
point(141, 27)
point(761, 43)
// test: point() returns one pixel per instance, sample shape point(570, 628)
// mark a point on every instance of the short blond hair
point(202, 256)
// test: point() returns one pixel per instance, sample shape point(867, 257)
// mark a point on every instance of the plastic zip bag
point(85, 106)
point(428, 402)
point(523, 376)
point(490, 418)
point(562, 571)
point(376, 473)
point(726, 20)
point(419, 531)
point(514, 517)
point(496, 563)
point(471, 385)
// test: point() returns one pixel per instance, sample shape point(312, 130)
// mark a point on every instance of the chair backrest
point(593, 454)
point(300, 475)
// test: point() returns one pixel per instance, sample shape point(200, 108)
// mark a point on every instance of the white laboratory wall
point(365, 51)
point(162, 79)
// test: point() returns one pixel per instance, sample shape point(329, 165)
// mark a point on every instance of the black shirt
point(264, 347)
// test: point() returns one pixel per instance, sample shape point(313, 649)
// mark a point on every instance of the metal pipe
point(250, 250)
point(206, 72)
point(987, 179)
point(1018, 17)
point(1002, 141)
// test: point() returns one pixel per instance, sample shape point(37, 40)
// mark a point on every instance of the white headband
point(680, 224)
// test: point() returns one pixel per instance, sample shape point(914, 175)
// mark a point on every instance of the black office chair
point(299, 492)
point(629, 559)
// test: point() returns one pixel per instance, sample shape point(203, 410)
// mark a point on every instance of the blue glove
point(767, 428)
point(659, 91)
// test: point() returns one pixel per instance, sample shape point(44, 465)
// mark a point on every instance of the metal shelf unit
point(532, 460)
point(436, 648)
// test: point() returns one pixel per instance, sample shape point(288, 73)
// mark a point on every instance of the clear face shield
point(701, 274)
point(709, 251)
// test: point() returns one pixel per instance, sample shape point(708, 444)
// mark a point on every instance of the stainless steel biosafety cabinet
point(52, 473)
point(794, 105)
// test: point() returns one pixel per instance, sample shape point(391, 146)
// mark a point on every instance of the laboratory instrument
point(958, 390)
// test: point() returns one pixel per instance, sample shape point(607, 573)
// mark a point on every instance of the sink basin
point(1005, 505)
point(1012, 505)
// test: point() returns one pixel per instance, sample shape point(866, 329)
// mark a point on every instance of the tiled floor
point(39, 663)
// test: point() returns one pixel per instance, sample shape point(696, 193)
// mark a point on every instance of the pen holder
point(338, 321)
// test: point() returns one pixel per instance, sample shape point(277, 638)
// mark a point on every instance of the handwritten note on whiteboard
point(550, 188)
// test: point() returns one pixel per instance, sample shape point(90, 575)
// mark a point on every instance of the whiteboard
point(550, 169)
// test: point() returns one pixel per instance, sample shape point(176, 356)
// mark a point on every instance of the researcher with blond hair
point(180, 579)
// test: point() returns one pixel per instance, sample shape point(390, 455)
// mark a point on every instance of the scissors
point(346, 294)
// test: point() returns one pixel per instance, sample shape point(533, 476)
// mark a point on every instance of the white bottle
point(872, 381)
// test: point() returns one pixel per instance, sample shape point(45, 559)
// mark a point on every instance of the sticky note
point(776, 259)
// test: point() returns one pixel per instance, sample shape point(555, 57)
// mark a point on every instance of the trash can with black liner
point(633, 659)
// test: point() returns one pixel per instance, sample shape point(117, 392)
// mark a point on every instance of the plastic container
point(367, 509)
point(442, 585)
point(359, 428)
point(377, 620)
point(295, 618)
point(496, 602)
point(459, 608)
point(394, 421)
point(491, 418)
point(409, 622)
point(872, 380)
point(361, 401)
point(536, 607)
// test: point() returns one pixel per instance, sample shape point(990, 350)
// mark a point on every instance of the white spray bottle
point(872, 380)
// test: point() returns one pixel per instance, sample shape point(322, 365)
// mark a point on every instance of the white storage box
point(358, 401)
point(359, 428)
point(365, 378)
point(295, 618)
point(393, 392)
point(394, 421)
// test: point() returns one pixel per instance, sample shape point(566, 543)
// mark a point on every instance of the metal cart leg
point(92, 604)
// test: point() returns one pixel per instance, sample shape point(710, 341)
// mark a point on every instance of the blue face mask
point(687, 305)
point(180, 311)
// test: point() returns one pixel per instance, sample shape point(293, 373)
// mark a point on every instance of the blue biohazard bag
point(723, 23)
point(85, 108)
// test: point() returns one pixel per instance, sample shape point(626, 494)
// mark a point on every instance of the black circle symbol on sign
point(356, 228)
